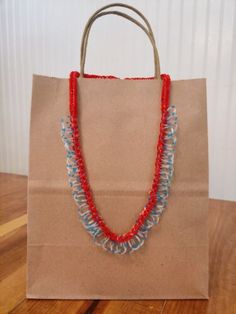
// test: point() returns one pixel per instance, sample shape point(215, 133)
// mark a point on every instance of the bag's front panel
point(119, 126)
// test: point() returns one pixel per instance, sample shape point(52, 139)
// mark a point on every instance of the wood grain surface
point(13, 220)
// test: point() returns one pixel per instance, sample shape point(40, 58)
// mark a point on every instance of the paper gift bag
point(119, 123)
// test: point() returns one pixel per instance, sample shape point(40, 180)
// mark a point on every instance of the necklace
point(81, 191)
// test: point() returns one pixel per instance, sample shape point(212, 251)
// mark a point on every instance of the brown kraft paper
point(119, 122)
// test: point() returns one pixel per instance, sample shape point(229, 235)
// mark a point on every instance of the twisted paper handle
point(99, 13)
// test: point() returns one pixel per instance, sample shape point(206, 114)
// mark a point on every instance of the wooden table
point(13, 219)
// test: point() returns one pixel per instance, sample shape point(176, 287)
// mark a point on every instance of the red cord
point(81, 164)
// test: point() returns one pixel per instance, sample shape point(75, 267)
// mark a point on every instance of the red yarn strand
point(74, 111)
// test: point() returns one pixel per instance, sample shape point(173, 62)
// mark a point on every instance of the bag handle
point(84, 37)
point(147, 30)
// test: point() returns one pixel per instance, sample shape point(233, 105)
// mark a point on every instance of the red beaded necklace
point(81, 164)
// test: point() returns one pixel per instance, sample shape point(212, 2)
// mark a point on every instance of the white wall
point(196, 38)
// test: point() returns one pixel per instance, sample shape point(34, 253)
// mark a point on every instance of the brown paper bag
point(118, 121)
